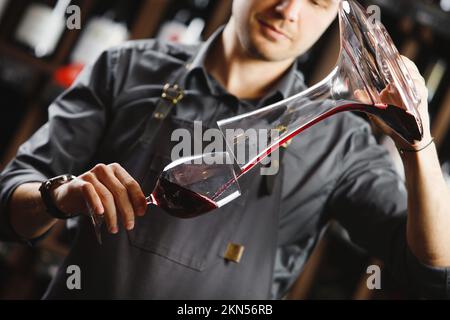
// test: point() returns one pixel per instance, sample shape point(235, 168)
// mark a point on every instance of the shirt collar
point(290, 81)
point(287, 83)
point(198, 61)
point(197, 70)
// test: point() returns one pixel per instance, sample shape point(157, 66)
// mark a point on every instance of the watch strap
point(47, 187)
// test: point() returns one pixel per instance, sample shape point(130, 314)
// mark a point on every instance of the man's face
point(276, 30)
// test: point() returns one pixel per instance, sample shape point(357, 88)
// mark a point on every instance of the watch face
point(59, 180)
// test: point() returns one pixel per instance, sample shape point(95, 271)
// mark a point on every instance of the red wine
point(397, 118)
point(180, 202)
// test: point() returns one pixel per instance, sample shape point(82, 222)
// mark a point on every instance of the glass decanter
point(368, 65)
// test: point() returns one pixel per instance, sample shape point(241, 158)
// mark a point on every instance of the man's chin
point(269, 54)
point(269, 51)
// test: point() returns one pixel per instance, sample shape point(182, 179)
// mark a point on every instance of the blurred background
point(40, 56)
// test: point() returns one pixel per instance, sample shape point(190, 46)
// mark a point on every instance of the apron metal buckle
point(172, 93)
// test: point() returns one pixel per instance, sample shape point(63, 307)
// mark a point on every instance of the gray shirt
point(333, 170)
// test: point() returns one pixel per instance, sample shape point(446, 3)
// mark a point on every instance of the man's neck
point(240, 74)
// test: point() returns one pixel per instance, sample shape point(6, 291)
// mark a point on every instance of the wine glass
point(192, 186)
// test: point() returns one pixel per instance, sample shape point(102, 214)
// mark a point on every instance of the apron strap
point(268, 181)
point(172, 94)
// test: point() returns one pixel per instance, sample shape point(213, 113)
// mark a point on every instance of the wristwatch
point(47, 187)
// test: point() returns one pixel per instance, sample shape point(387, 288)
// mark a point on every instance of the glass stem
point(151, 200)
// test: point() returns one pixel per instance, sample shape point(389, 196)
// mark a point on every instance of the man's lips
point(273, 29)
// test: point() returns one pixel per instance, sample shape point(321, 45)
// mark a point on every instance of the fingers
point(107, 199)
point(111, 191)
point(414, 71)
point(135, 193)
point(409, 63)
point(419, 81)
point(92, 199)
point(106, 176)
point(391, 96)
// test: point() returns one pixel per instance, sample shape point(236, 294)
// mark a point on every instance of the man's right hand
point(107, 190)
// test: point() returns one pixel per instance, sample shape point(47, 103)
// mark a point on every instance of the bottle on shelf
point(180, 30)
point(3, 5)
point(186, 22)
point(435, 77)
point(42, 26)
point(108, 27)
point(445, 5)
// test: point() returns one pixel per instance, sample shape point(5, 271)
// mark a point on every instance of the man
point(257, 245)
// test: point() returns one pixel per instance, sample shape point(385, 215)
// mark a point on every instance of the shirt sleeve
point(67, 142)
point(370, 202)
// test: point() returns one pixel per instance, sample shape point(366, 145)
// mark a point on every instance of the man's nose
point(289, 9)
